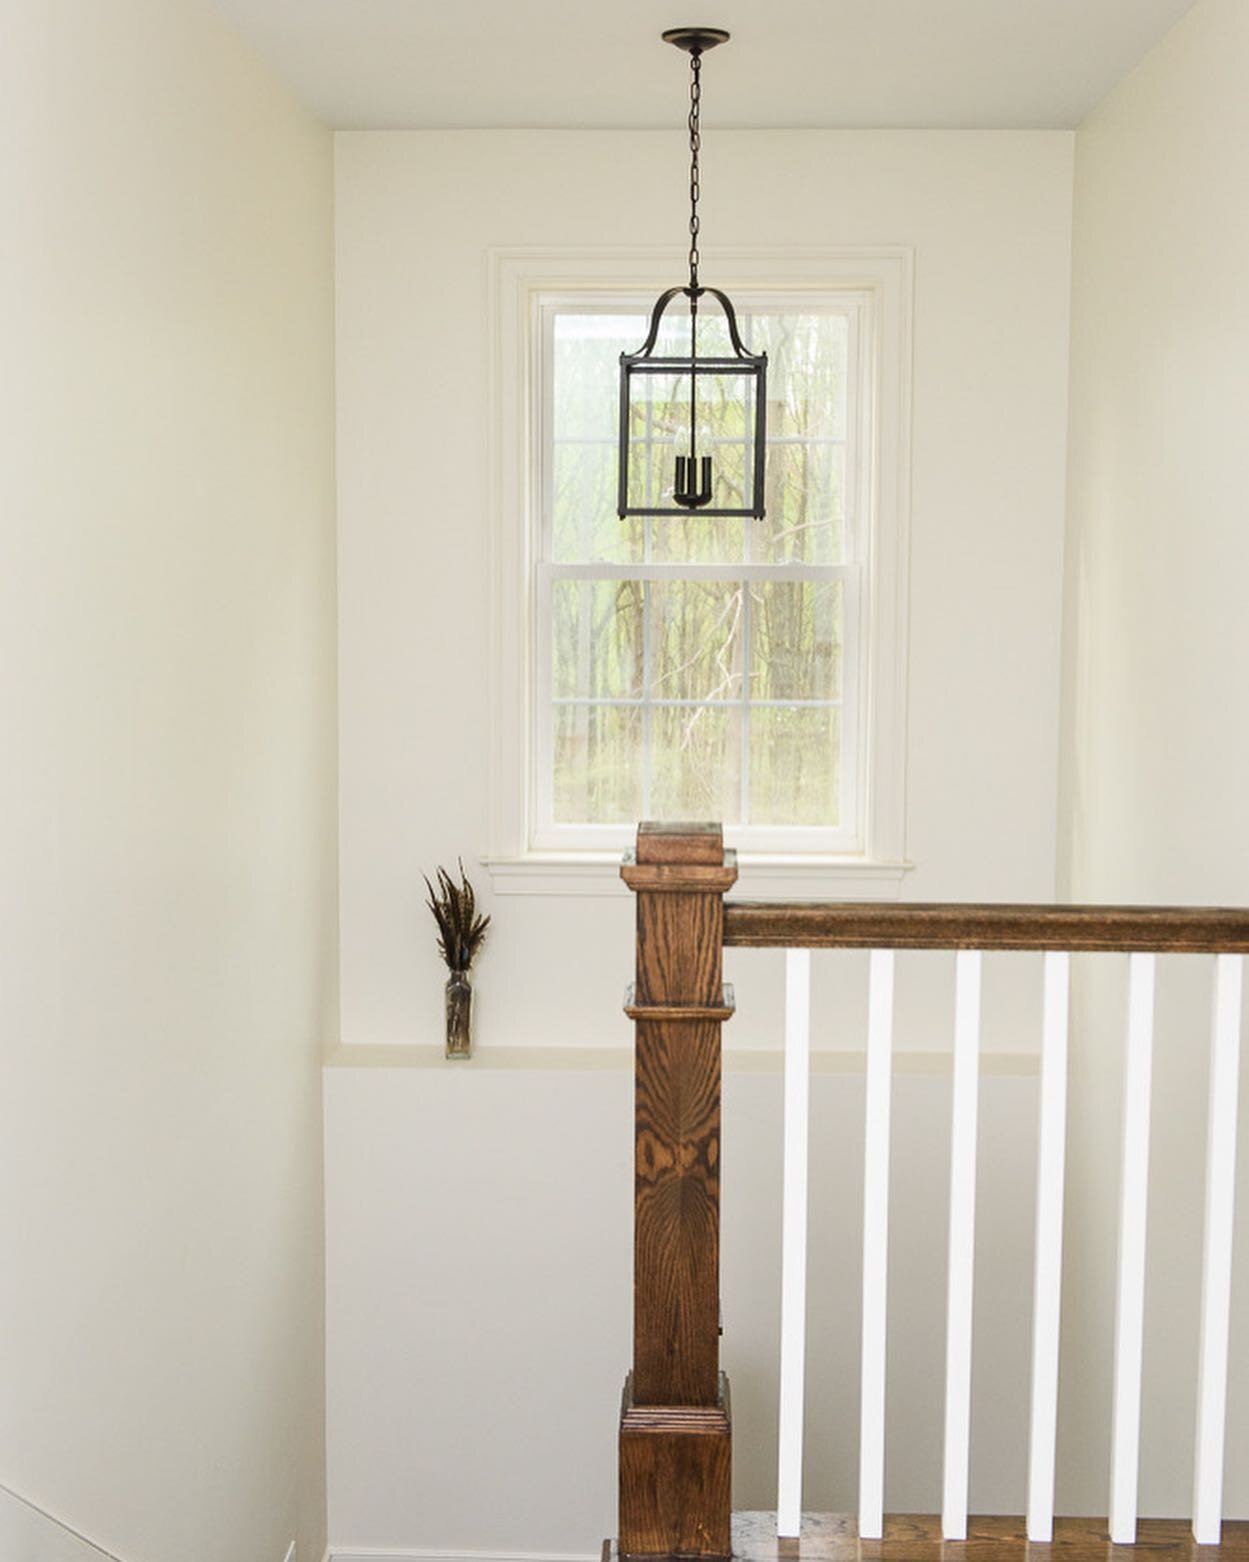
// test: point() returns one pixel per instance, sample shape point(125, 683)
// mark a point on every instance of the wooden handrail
point(869, 925)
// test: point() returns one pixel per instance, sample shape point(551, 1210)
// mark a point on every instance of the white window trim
point(517, 277)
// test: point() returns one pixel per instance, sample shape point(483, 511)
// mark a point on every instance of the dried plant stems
point(461, 927)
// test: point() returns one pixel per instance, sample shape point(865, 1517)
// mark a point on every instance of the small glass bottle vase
point(459, 1015)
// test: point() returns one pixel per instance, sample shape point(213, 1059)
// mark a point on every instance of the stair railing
point(675, 1426)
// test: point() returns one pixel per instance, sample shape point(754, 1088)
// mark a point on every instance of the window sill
point(760, 876)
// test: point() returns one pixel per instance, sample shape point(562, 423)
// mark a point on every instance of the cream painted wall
point(1154, 800)
point(1153, 803)
point(167, 800)
point(989, 217)
point(478, 1218)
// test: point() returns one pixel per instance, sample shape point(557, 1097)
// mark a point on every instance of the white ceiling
point(950, 63)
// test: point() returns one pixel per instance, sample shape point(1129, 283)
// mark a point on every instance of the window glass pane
point(596, 639)
point(796, 629)
point(804, 491)
point(807, 356)
point(795, 765)
point(696, 640)
point(586, 372)
point(598, 764)
point(585, 526)
point(665, 422)
point(674, 331)
point(696, 763)
point(697, 539)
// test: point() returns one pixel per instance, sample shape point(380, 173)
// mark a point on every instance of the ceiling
point(366, 64)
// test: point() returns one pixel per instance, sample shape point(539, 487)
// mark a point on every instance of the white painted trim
point(1125, 1431)
point(797, 1114)
point(1047, 1270)
point(879, 1069)
point(605, 1057)
point(1216, 1262)
point(517, 276)
point(417, 1554)
point(962, 1254)
point(762, 876)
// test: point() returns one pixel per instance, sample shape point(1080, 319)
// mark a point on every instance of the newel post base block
point(675, 1471)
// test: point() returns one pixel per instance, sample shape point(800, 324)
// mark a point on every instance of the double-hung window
point(697, 667)
point(693, 668)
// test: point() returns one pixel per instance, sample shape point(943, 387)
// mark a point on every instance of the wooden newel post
point(674, 1429)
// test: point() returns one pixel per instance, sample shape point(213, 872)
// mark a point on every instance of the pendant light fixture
point(692, 428)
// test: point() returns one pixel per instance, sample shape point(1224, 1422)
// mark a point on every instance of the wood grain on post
point(674, 1430)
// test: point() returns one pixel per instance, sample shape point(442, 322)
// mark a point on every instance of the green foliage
point(461, 927)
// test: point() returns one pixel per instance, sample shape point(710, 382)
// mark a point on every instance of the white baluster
point(1047, 1276)
point(794, 1239)
point(1130, 1293)
point(962, 1244)
point(875, 1244)
point(1216, 1267)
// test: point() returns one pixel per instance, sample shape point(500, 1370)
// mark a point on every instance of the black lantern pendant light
point(708, 411)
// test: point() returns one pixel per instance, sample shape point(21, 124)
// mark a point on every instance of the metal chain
point(696, 93)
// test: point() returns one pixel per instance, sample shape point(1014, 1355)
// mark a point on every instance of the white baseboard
point(410, 1554)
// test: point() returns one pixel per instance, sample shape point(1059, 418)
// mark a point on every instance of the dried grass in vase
point(461, 933)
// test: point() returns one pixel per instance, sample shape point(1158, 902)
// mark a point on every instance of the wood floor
point(833, 1537)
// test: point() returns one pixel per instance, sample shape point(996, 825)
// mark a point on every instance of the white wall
point(479, 1300)
point(1154, 801)
point(989, 216)
point(454, 1420)
point(167, 829)
point(1153, 804)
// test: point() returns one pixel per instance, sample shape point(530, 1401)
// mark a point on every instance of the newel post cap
point(680, 857)
point(680, 843)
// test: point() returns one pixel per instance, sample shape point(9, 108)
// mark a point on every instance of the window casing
point(850, 592)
